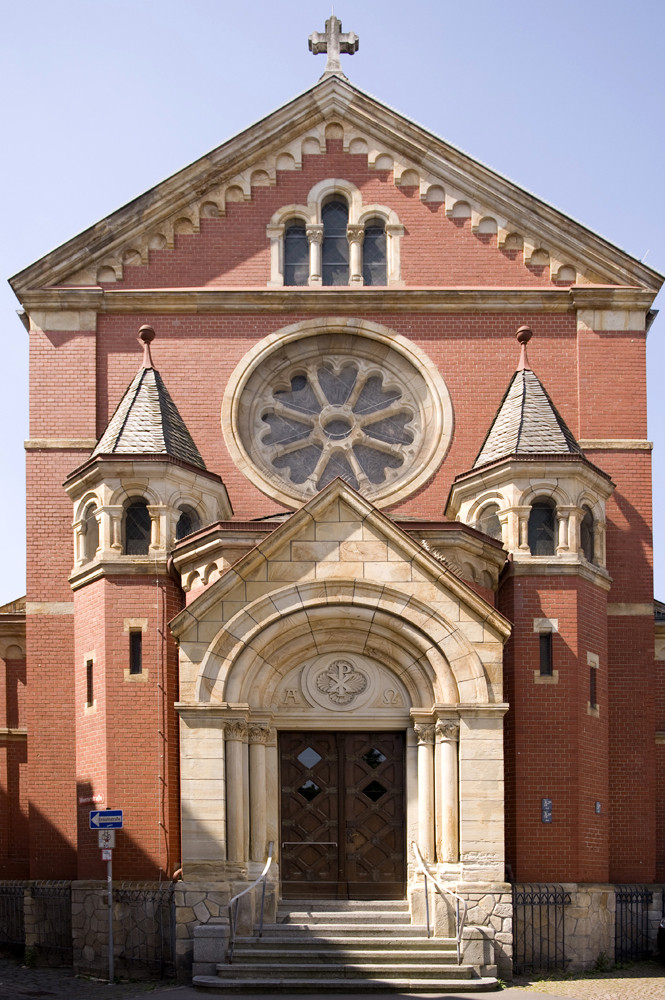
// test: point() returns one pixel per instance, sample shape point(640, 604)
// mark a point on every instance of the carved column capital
point(315, 233)
point(258, 734)
point(355, 233)
point(236, 730)
point(425, 734)
point(447, 729)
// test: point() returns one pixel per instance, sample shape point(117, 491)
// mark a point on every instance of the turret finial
point(524, 335)
point(146, 336)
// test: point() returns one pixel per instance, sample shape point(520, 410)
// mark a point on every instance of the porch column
point(236, 734)
point(447, 840)
point(425, 734)
point(258, 738)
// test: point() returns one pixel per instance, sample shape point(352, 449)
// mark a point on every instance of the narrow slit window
point(135, 652)
point(542, 525)
point(335, 255)
point(91, 543)
point(137, 528)
point(375, 267)
point(587, 534)
point(546, 663)
point(593, 687)
point(89, 682)
point(296, 254)
point(188, 522)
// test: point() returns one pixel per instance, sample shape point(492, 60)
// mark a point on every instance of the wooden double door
point(342, 815)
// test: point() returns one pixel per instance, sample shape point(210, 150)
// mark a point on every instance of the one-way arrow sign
point(106, 819)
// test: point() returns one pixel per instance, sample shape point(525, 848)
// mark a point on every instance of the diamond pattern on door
point(343, 821)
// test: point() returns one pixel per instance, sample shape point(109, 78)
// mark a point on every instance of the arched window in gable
point(542, 527)
point(335, 254)
point(91, 532)
point(375, 256)
point(137, 528)
point(587, 531)
point(188, 522)
point(296, 253)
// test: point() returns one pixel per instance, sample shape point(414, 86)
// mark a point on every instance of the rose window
point(300, 411)
point(339, 418)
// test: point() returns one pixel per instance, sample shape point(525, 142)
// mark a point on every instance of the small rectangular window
point(593, 690)
point(546, 664)
point(135, 652)
point(89, 683)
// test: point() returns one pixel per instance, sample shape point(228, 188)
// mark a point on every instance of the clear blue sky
point(102, 99)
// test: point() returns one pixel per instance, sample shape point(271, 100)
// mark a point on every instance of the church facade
point(351, 555)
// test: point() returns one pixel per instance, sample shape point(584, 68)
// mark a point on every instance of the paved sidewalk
point(643, 981)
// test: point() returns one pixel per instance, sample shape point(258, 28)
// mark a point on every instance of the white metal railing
point(233, 905)
point(443, 890)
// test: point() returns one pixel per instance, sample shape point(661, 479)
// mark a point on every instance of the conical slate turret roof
point(527, 421)
point(147, 421)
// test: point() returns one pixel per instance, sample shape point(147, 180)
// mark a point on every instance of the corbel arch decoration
point(430, 656)
point(309, 271)
point(311, 402)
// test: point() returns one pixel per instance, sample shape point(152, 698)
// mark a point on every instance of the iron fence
point(631, 925)
point(52, 921)
point(539, 928)
point(12, 925)
point(147, 911)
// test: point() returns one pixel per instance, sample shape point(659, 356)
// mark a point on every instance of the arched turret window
point(375, 268)
point(91, 531)
point(542, 527)
point(587, 533)
point(296, 253)
point(137, 528)
point(188, 522)
point(335, 255)
point(488, 522)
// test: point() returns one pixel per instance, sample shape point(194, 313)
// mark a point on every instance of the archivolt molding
point(251, 653)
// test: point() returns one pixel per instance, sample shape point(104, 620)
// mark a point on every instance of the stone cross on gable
point(333, 42)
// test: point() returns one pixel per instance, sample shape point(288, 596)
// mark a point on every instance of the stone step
point(479, 984)
point(343, 929)
point(279, 945)
point(348, 970)
point(343, 917)
point(343, 904)
point(318, 954)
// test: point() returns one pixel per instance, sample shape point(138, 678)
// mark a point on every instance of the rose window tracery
point(339, 418)
point(361, 403)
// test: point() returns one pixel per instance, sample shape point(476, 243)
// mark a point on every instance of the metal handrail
point(233, 905)
point(421, 866)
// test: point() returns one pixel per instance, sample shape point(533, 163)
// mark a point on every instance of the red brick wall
point(52, 758)
point(13, 761)
point(554, 748)
point(127, 749)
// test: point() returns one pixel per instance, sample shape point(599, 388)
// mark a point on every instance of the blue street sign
point(106, 819)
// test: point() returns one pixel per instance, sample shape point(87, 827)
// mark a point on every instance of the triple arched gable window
point(335, 241)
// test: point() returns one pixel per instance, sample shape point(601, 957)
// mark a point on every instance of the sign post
point(106, 822)
point(109, 882)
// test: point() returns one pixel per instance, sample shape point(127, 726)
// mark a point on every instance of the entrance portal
point(342, 815)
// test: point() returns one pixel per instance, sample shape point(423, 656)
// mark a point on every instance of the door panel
point(342, 815)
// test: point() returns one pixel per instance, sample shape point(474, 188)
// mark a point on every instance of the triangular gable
point(228, 173)
point(340, 536)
